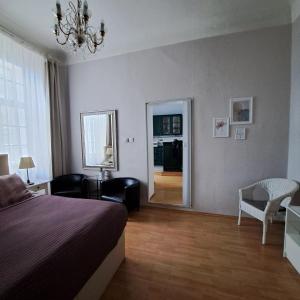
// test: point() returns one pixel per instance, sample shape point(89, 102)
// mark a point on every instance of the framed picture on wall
point(221, 127)
point(241, 110)
point(240, 133)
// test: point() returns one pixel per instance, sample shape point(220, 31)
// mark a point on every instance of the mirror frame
point(114, 139)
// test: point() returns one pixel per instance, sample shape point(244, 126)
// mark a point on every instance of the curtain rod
point(28, 45)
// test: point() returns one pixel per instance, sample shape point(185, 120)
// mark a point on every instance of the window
point(24, 108)
point(12, 112)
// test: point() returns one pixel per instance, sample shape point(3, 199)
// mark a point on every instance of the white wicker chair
point(277, 189)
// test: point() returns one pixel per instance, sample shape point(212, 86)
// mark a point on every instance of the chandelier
point(72, 27)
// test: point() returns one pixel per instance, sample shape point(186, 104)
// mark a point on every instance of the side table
point(94, 182)
point(40, 187)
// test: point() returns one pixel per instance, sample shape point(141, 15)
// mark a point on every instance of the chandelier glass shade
point(72, 27)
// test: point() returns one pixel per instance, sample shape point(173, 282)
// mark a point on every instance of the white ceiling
point(142, 24)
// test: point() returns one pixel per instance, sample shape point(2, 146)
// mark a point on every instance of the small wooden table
point(40, 187)
point(95, 194)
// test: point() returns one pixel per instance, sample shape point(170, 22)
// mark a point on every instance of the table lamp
point(27, 163)
point(4, 169)
point(109, 153)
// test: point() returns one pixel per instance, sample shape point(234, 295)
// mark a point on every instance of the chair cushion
point(116, 197)
point(259, 204)
point(70, 194)
point(67, 183)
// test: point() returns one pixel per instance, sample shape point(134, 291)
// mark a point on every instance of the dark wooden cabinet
point(177, 125)
point(157, 125)
point(158, 156)
point(172, 155)
point(165, 125)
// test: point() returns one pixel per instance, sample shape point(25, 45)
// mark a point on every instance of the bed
point(58, 248)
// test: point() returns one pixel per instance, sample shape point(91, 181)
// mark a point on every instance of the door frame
point(187, 161)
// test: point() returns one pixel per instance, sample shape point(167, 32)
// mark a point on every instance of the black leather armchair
point(122, 190)
point(72, 185)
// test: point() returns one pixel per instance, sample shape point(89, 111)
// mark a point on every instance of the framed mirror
point(99, 140)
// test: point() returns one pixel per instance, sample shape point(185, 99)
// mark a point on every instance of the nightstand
point(40, 187)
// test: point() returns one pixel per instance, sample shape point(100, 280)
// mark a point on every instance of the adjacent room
point(169, 137)
point(150, 149)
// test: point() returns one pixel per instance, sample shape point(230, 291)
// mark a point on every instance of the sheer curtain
point(24, 108)
point(95, 138)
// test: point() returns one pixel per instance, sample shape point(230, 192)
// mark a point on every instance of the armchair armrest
point(286, 202)
point(132, 186)
point(247, 192)
point(132, 195)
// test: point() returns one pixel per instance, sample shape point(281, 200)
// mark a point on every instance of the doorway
point(169, 152)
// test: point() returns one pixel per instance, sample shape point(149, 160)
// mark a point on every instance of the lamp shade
point(26, 163)
point(109, 151)
point(4, 169)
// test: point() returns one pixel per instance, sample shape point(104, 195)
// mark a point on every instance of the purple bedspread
point(50, 246)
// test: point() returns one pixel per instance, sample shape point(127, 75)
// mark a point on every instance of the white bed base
point(96, 285)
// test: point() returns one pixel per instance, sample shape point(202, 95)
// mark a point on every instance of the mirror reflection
point(98, 131)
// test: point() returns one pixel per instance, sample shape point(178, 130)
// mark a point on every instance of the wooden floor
point(167, 188)
point(181, 255)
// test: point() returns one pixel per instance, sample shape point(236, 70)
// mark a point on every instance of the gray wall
point(210, 71)
point(294, 139)
point(294, 143)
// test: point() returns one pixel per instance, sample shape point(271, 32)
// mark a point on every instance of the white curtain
point(24, 108)
point(95, 138)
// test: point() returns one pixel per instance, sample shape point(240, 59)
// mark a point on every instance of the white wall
point(294, 138)
point(151, 169)
point(295, 9)
point(211, 71)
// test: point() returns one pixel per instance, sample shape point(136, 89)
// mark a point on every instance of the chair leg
point(240, 217)
point(265, 229)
